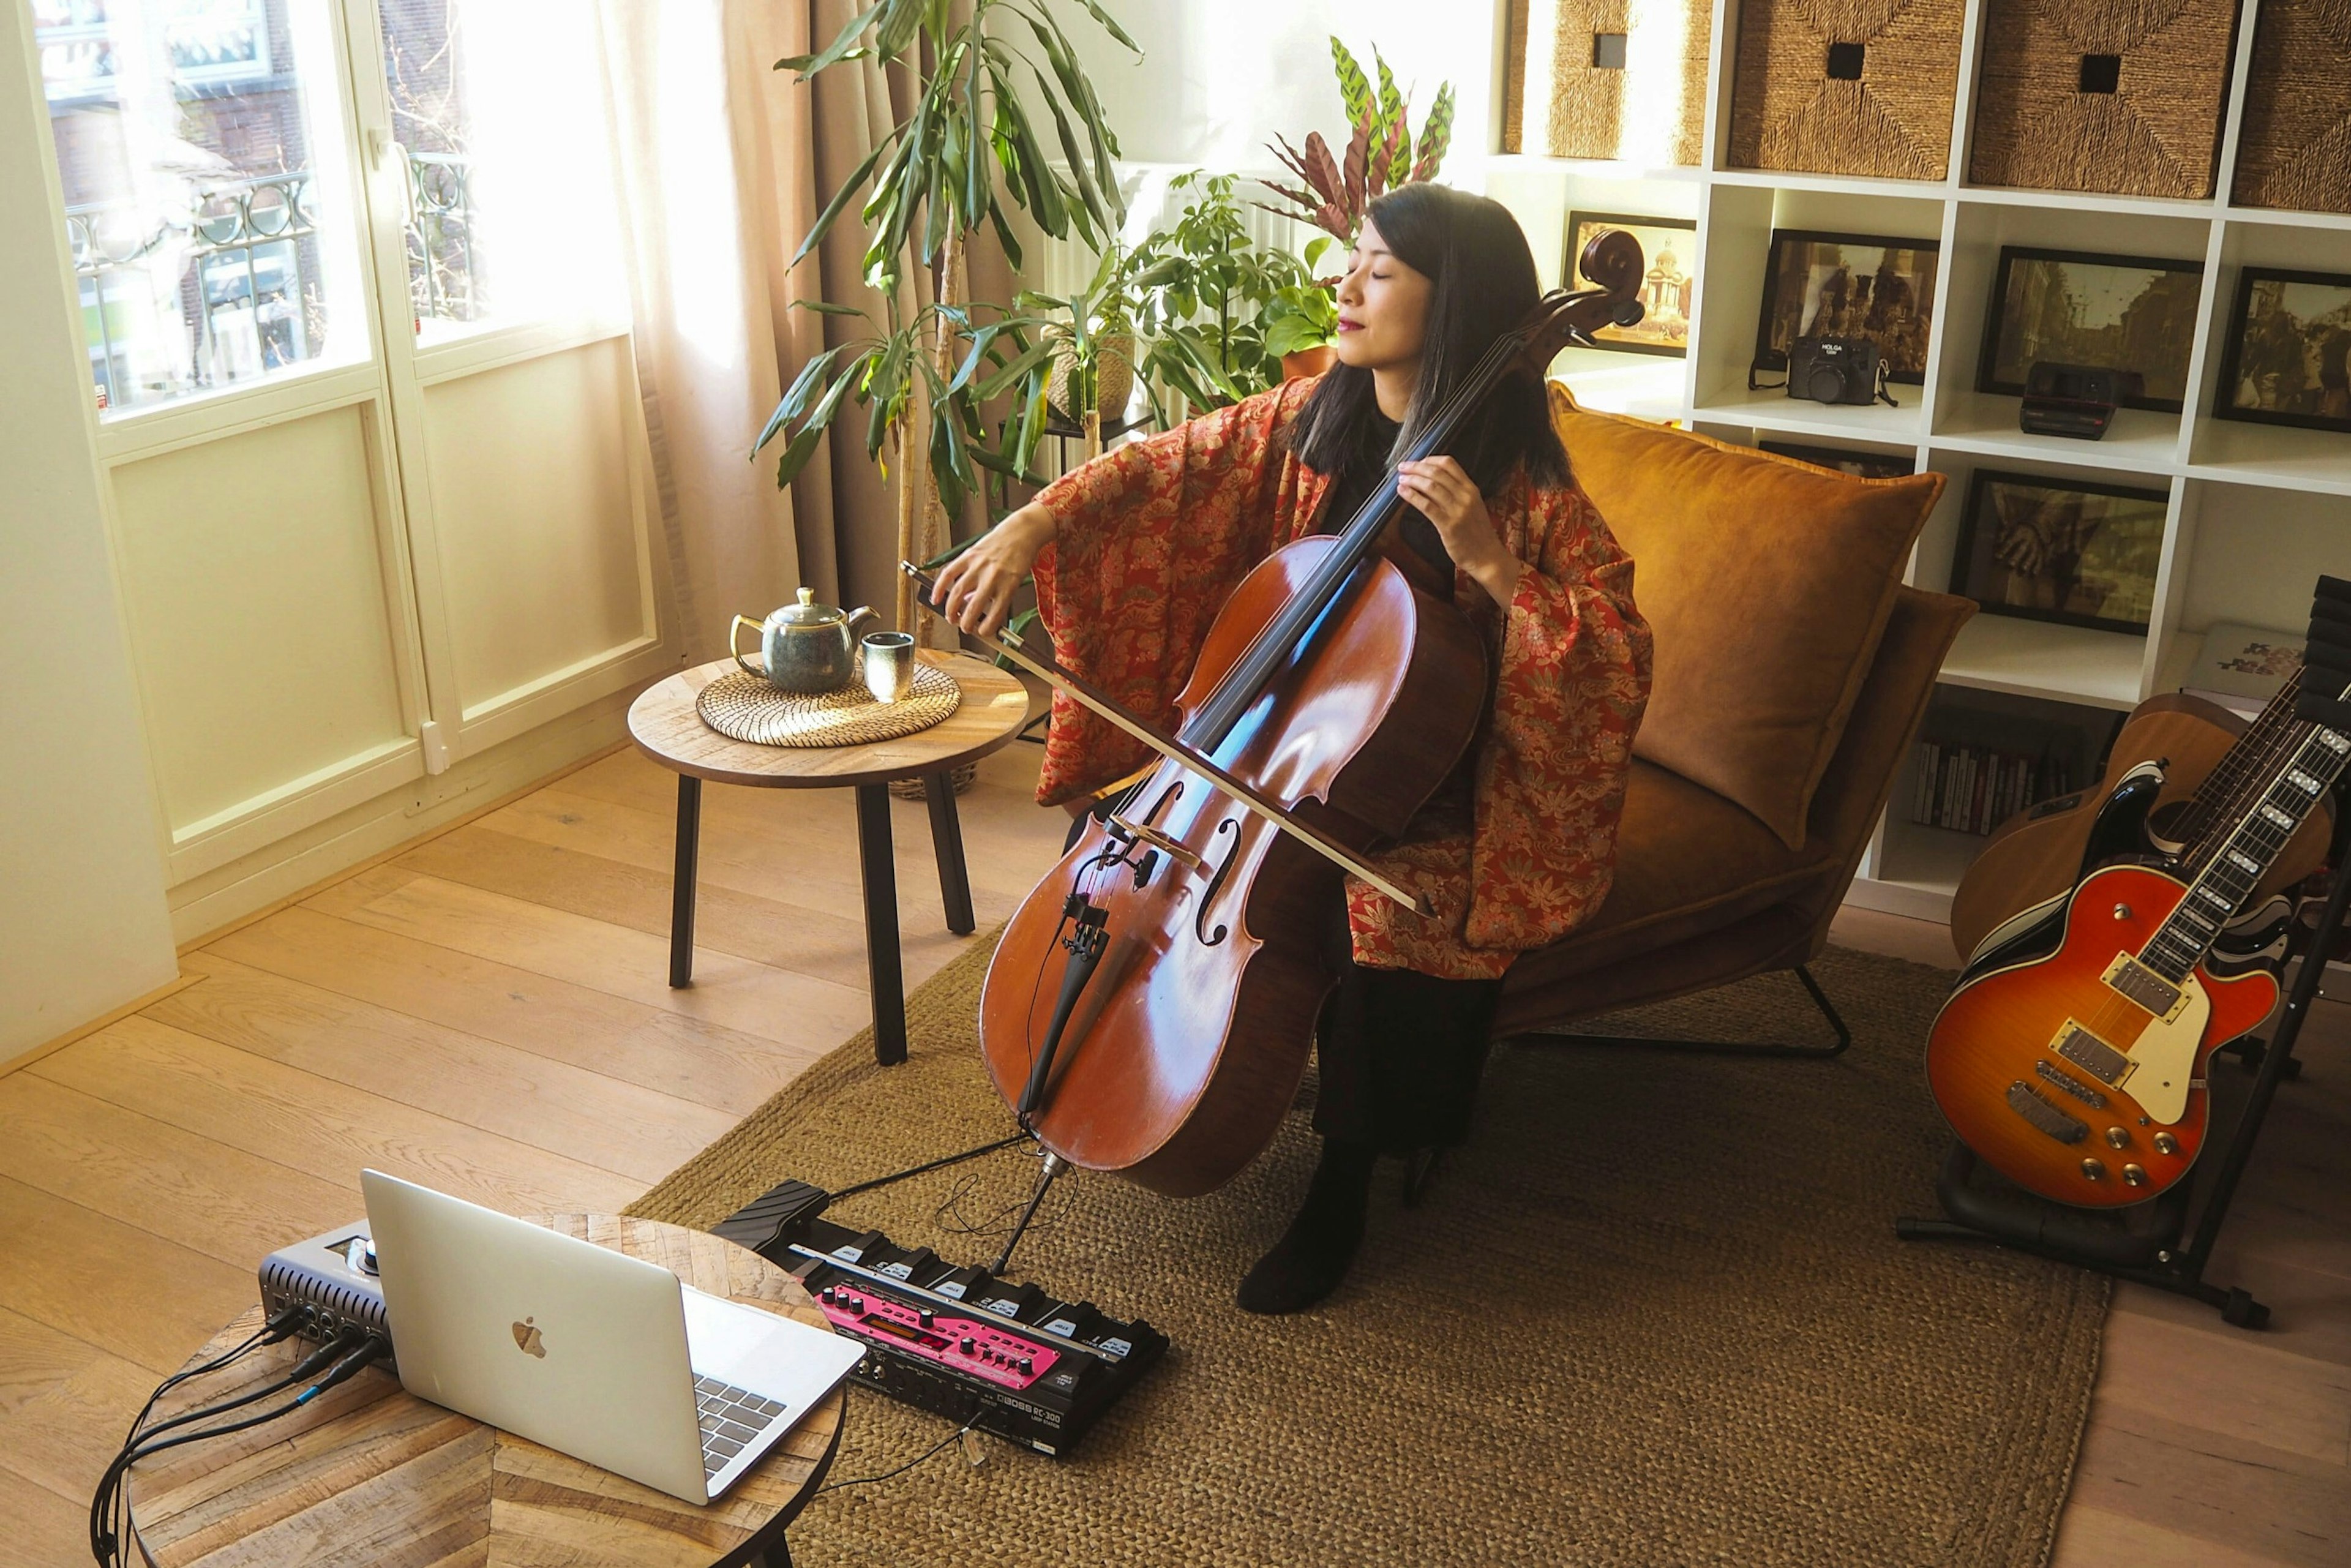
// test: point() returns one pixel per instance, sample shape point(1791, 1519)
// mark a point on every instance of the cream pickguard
point(2163, 1058)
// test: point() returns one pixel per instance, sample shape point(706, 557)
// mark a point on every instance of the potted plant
point(1206, 290)
point(1092, 336)
point(970, 145)
point(1334, 193)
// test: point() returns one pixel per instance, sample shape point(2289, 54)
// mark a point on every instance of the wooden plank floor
point(487, 1012)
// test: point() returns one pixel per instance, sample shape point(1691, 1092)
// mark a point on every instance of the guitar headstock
point(1614, 262)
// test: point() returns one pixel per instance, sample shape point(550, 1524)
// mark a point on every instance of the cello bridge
point(1165, 845)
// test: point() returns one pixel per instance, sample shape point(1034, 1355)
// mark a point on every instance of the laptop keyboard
point(732, 1418)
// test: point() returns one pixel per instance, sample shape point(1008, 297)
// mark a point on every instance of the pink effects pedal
point(973, 1346)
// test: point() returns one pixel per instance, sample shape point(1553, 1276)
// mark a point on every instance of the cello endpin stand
point(1054, 1166)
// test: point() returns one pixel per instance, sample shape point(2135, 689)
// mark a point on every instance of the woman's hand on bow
point(1449, 500)
point(974, 589)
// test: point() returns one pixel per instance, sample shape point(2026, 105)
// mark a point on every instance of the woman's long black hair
point(1472, 250)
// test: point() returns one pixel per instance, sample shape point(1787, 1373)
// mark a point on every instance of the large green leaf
point(1354, 89)
point(1077, 159)
point(1436, 134)
point(840, 49)
point(839, 199)
point(1110, 24)
point(796, 396)
point(1393, 135)
point(901, 20)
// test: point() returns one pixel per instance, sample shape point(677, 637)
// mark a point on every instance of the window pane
point(499, 113)
point(207, 200)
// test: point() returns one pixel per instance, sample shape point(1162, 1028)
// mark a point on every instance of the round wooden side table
point(367, 1476)
point(995, 708)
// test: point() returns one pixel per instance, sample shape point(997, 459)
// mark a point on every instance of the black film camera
point(2074, 399)
point(1836, 370)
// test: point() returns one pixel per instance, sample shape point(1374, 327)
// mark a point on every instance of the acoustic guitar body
point(1187, 1044)
point(2038, 854)
point(2065, 1085)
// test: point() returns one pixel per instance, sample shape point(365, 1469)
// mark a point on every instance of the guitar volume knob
point(2165, 1143)
point(2117, 1137)
point(2094, 1170)
point(2135, 1176)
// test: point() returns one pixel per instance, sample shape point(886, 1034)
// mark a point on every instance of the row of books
point(1974, 789)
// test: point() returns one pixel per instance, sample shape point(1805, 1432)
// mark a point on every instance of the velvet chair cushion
point(1767, 582)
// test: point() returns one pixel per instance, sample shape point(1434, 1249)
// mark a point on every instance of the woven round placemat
point(742, 706)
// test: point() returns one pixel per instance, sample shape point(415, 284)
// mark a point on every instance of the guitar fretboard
point(2236, 867)
point(2218, 803)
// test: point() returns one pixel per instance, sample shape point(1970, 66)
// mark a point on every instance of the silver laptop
point(599, 1355)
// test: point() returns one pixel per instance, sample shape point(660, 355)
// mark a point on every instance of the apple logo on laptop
point(527, 1339)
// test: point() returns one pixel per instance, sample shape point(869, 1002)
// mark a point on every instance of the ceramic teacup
point(889, 665)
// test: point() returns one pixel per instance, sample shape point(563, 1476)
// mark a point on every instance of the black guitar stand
point(2150, 1243)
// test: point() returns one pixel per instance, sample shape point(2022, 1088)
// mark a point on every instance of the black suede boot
point(1312, 1257)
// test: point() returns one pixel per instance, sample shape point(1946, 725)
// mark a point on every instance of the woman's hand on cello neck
point(1450, 499)
point(976, 588)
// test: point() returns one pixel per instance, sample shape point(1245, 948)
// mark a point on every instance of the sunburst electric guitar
point(2072, 1057)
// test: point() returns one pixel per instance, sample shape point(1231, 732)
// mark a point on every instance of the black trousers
point(1398, 1052)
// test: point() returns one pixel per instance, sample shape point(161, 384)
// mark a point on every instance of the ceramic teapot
point(806, 647)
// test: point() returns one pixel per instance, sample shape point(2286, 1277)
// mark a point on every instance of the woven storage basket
point(1893, 120)
point(1561, 100)
point(2122, 96)
point(2295, 148)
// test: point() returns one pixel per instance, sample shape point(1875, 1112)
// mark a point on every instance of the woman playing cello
point(1134, 552)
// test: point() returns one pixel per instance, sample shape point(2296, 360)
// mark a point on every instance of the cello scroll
point(1614, 262)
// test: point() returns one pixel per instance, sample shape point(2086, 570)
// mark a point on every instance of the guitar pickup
point(2143, 988)
point(2091, 1054)
point(2027, 1102)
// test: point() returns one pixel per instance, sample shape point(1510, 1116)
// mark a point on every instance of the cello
point(1150, 1008)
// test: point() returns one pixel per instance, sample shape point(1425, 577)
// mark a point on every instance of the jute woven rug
point(1654, 1314)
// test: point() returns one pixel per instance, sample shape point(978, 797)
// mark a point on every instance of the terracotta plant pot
point(1308, 362)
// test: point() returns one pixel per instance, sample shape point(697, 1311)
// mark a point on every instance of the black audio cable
point(111, 1522)
point(892, 1474)
point(286, 1324)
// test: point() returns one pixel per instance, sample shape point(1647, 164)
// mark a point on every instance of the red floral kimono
point(1153, 537)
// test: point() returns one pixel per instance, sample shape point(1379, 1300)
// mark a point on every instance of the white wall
point(83, 928)
point(1220, 78)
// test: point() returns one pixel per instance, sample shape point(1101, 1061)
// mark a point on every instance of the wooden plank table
point(995, 707)
point(369, 1475)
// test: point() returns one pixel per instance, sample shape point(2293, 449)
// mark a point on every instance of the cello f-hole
point(1224, 869)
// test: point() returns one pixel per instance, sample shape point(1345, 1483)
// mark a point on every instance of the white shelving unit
point(2255, 511)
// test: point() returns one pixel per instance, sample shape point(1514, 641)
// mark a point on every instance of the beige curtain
point(715, 192)
point(725, 164)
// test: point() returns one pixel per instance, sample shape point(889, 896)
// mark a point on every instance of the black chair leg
point(1734, 1047)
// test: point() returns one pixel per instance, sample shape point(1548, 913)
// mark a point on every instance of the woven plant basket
point(918, 789)
point(1846, 87)
point(2295, 150)
point(2120, 96)
point(1113, 379)
point(1568, 92)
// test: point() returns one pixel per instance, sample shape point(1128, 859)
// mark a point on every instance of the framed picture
point(1670, 248)
point(1819, 285)
point(1850, 460)
point(2288, 357)
point(2072, 308)
point(2063, 550)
